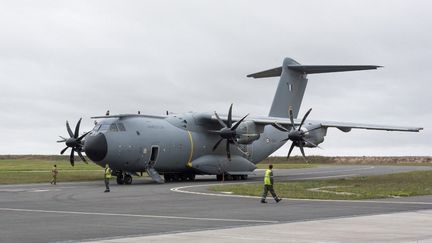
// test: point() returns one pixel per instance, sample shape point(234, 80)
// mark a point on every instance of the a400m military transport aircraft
point(179, 146)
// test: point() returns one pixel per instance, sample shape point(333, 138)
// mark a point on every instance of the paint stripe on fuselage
point(189, 163)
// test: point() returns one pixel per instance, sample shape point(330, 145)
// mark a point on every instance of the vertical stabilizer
point(290, 90)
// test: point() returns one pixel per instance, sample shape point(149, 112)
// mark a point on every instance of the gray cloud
point(68, 59)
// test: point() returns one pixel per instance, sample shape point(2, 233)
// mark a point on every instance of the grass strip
point(288, 166)
point(366, 187)
point(24, 170)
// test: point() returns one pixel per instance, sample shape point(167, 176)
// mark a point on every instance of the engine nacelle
point(248, 132)
point(247, 138)
point(316, 135)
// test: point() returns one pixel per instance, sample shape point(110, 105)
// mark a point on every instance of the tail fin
point(293, 81)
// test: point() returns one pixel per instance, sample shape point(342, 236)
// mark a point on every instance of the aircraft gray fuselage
point(181, 141)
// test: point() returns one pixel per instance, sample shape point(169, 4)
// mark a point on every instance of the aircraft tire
point(191, 177)
point(120, 179)
point(128, 179)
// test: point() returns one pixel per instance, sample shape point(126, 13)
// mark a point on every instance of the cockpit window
point(104, 127)
point(113, 128)
point(121, 127)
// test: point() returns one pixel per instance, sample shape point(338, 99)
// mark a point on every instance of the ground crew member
point(268, 185)
point(54, 172)
point(107, 177)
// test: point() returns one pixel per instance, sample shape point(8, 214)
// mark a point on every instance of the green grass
point(38, 169)
point(287, 166)
point(371, 187)
point(353, 160)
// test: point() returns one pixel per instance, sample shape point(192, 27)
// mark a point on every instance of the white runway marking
point(135, 215)
point(181, 189)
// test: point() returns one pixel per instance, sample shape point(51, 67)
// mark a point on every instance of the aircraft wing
point(343, 126)
point(121, 116)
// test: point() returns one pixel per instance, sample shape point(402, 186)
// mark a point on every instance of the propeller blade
point(228, 150)
point(69, 129)
point(238, 123)
point(312, 129)
point(220, 120)
point(291, 115)
point(62, 139)
point(214, 131)
point(71, 158)
point(82, 157)
point(304, 118)
point(238, 147)
point(279, 127)
point(77, 128)
point(290, 150)
point(311, 143)
point(82, 136)
point(302, 151)
point(230, 117)
point(62, 152)
point(217, 144)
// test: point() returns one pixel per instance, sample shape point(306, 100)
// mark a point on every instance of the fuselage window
point(113, 128)
point(121, 127)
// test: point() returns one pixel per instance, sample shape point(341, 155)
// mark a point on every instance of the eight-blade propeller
point(73, 142)
point(228, 132)
point(296, 135)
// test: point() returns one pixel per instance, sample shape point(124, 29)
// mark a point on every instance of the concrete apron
point(397, 227)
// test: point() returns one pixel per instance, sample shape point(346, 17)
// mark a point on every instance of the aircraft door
point(153, 155)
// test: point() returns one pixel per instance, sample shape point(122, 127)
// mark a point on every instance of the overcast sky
point(62, 60)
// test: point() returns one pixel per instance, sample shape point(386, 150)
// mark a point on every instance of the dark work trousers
point(107, 184)
point(268, 188)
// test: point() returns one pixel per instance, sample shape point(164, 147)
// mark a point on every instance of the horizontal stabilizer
point(275, 72)
point(311, 69)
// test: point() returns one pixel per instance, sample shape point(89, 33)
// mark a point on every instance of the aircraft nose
point(96, 147)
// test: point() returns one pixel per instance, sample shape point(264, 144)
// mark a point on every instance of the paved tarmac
point(82, 212)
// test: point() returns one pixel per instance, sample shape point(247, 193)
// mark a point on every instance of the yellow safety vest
point(107, 173)
point(267, 180)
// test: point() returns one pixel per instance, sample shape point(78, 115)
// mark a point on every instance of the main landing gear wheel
point(128, 179)
point(227, 177)
point(170, 177)
point(120, 179)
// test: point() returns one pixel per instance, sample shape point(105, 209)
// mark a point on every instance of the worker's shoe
point(278, 199)
point(107, 190)
point(263, 201)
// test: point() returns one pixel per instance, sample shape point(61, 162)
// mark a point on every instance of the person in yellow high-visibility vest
point(268, 185)
point(107, 177)
point(54, 172)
